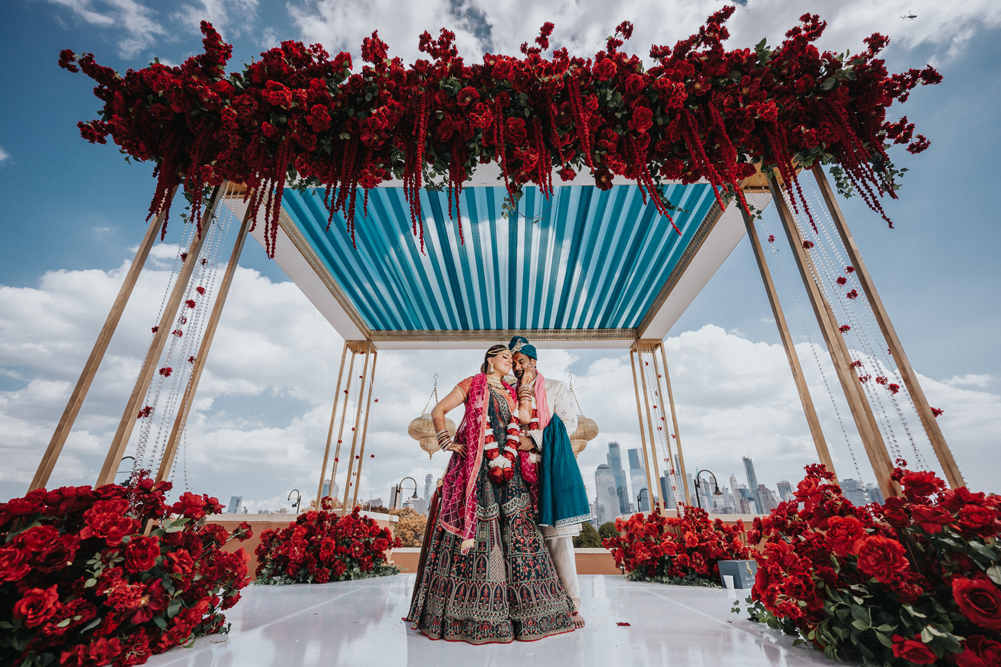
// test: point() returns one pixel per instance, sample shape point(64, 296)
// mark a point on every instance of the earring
point(490, 368)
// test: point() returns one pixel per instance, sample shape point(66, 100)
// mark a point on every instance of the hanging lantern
point(586, 429)
point(422, 429)
point(577, 446)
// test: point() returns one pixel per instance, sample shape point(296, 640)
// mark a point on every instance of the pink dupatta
point(458, 492)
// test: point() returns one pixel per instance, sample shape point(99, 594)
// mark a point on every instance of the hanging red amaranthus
point(700, 112)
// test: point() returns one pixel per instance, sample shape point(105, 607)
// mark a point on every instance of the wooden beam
point(330, 429)
point(364, 428)
point(344, 414)
point(51, 455)
point(649, 419)
point(907, 374)
point(354, 437)
point(872, 440)
point(633, 354)
point(653, 446)
point(674, 422)
point(180, 420)
point(128, 422)
point(812, 420)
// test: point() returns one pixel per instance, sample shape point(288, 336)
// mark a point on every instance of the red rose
point(895, 513)
point(109, 527)
point(515, 131)
point(672, 169)
point(921, 484)
point(931, 519)
point(979, 600)
point(804, 84)
point(882, 558)
point(843, 533)
point(141, 554)
point(980, 652)
point(913, 650)
point(38, 540)
point(179, 562)
point(190, 505)
point(105, 650)
point(37, 606)
point(13, 564)
point(977, 521)
point(642, 120)
point(567, 174)
point(59, 556)
point(63, 498)
point(635, 84)
point(467, 96)
point(954, 499)
point(604, 70)
point(270, 131)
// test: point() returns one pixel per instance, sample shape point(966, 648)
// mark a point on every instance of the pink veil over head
point(458, 491)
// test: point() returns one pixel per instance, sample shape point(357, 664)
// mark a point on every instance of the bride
point(487, 576)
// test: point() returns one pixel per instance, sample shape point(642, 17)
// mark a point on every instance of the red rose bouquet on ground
point(80, 584)
point(321, 546)
point(684, 550)
point(909, 583)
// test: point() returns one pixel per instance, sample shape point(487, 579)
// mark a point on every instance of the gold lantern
point(422, 429)
point(586, 429)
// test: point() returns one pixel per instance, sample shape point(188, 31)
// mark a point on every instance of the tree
point(410, 528)
point(607, 530)
point(588, 538)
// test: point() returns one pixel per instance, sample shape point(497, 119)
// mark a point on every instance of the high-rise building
point(607, 500)
point(417, 504)
point(785, 491)
point(766, 499)
point(752, 484)
point(854, 492)
point(637, 478)
point(668, 493)
point(745, 500)
point(875, 495)
point(234, 504)
point(428, 488)
point(615, 464)
point(326, 490)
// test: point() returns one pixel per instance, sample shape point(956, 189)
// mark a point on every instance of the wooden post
point(907, 374)
point(364, 429)
point(790, 348)
point(674, 422)
point(170, 450)
point(653, 442)
point(872, 440)
point(633, 355)
point(128, 422)
point(330, 430)
point(354, 437)
point(65, 425)
point(344, 414)
point(649, 424)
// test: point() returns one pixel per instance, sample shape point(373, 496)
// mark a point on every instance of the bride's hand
point(457, 448)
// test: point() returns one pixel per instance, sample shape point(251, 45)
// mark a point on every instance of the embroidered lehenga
point(487, 576)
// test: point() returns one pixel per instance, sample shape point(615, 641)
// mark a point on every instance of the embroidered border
point(573, 520)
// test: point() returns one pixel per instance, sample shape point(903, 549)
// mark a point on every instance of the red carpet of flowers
point(701, 111)
point(321, 546)
point(913, 582)
point(658, 548)
point(81, 585)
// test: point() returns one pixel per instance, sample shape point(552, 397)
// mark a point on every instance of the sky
point(72, 217)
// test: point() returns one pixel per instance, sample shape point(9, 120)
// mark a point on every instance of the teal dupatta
point(562, 497)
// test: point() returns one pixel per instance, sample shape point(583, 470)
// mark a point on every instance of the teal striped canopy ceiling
point(582, 260)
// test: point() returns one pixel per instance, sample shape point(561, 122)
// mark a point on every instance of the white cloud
point(4, 156)
point(970, 379)
point(133, 17)
point(582, 25)
point(230, 17)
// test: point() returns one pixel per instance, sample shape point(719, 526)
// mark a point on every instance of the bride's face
point(502, 363)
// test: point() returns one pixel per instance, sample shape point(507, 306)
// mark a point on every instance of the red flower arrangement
point(686, 550)
point(701, 111)
point(81, 584)
point(913, 582)
point(321, 546)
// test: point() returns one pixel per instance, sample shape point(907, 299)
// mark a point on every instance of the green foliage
point(588, 538)
point(607, 530)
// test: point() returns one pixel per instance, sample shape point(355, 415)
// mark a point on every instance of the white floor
point(359, 623)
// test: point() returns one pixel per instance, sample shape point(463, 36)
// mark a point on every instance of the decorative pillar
point(635, 356)
point(648, 425)
point(907, 374)
point(674, 422)
point(364, 428)
point(872, 439)
point(790, 349)
point(128, 422)
point(357, 421)
point(65, 425)
point(330, 430)
point(167, 462)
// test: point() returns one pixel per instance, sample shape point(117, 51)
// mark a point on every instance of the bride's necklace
point(495, 382)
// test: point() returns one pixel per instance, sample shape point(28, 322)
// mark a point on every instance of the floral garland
point(299, 116)
point(500, 466)
point(914, 582)
point(321, 546)
point(80, 584)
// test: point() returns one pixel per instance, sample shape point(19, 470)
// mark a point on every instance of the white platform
point(359, 623)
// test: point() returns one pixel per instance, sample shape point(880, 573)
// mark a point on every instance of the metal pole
point(907, 374)
point(128, 422)
point(203, 350)
point(62, 431)
point(812, 420)
point(330, 430)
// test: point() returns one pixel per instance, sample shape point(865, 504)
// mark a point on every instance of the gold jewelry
point(495, 382)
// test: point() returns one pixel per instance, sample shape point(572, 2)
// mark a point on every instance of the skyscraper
point(234, 504)
point(615, 464)
point(637, 478)
point(607, 500)
point(428, 488)
point(854, 492)
point(667, 493)
point(875, 494)
point(785, 491)
point(752, 484)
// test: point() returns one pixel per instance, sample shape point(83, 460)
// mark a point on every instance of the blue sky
point(73, 213)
